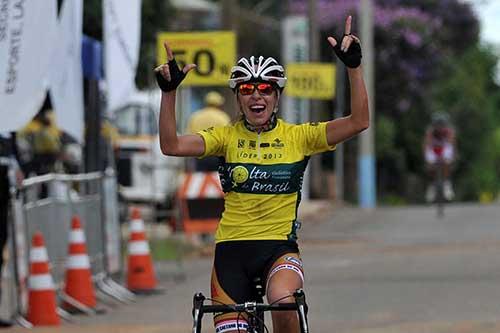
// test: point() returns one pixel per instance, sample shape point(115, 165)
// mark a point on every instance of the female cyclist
point(262, 164)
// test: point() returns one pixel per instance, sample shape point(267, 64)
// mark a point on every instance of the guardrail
point(47, 204)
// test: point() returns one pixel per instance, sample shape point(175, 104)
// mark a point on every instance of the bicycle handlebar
point(300, 306)
point(250, 307)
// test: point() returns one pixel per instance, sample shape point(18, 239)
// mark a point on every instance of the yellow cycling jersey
point(261, 174)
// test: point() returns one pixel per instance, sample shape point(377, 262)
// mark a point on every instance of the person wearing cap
point(263, 160)
point(209, 116)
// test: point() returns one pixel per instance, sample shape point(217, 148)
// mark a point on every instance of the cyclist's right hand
point(168, 75)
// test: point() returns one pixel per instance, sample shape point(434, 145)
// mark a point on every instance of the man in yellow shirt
point(41, 140)
point(209, 116)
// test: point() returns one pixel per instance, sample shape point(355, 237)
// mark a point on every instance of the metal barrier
point(47, 204)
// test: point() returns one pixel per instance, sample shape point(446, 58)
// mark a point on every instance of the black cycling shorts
point(238, 263)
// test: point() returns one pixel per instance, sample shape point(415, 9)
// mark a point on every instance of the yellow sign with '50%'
point(310, 80)
point(213, 52)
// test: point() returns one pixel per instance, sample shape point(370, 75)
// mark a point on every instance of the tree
point(416, 42)
point(470, 95)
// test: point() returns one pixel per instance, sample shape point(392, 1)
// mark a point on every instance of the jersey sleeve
point(313, 138)
point(215, 139)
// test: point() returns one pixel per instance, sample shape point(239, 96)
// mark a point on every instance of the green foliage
point(469, 94)
point(385, 134)
point(155, 14)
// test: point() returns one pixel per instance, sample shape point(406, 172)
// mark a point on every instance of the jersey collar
point(271, 124)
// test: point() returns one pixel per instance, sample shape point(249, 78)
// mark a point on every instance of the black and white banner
point(27, 32)
point(122, 30)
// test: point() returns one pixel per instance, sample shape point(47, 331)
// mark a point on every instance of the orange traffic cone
point(140, 272)
point(78, 283)
point(41, 295)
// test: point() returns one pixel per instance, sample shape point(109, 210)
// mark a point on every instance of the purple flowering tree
point(413, 42)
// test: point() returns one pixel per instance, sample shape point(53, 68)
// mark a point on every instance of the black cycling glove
point(176, 75)
point(352, 57)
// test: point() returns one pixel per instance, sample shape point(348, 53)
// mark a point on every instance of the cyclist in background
point(264, 159)
point(439, 149)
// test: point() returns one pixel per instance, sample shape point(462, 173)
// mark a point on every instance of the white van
point(145, 175)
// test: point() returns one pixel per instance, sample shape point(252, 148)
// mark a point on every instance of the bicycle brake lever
point(300, 300)
point(197, 312)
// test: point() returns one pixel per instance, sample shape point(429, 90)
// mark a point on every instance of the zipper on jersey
point(258, 145)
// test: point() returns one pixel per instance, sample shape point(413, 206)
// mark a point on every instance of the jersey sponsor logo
point(294, 260)
point(283, 178)
point(247, 155)
point(227, 326)
point(270, 188)
point(239, 174)
point(264, 156)
point(287, 267)
point(241, 143)
point(252, 144)
point(277, 143)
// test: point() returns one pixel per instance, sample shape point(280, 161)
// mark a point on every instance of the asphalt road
point(390, 270)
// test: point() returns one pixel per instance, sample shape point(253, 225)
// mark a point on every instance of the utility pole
point(313, 32)
point(314, 56)
point(366, 159)
point(339, 112)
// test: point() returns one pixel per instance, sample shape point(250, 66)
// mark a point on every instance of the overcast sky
point(489, 14)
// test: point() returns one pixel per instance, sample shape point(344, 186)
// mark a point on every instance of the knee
point(280, 291)
point(281, 295)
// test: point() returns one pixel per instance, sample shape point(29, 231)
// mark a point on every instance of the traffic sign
point(213, 52)
point(310, 80)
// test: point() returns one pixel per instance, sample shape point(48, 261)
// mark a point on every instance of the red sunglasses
point(265, 89)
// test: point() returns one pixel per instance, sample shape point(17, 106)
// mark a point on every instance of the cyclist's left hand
point(349, 49)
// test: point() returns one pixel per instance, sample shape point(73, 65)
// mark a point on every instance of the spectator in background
point(209, 116)
point(9, 173)
point(110, 137)
point(41, 143)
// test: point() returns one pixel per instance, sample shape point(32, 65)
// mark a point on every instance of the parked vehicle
point(145, 175)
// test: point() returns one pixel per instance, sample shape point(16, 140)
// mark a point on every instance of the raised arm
point(349, 51)
point(169, 76)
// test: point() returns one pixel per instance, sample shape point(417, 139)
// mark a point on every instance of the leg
point(229, 322)
point(285, 277)
point(430, 193)
point(430, 165)
point(230, 284)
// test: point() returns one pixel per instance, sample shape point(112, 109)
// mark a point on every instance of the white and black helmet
point(264, 70)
